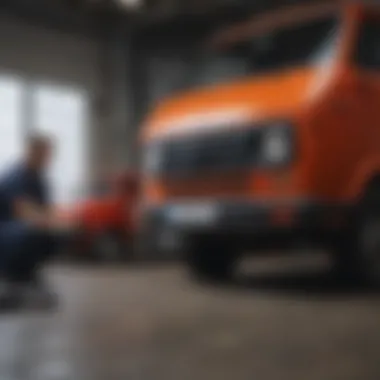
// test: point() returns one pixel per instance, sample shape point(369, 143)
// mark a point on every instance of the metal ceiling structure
point(85, 15)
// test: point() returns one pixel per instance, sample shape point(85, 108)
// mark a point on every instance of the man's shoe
point(10, 296)
point(38, 295)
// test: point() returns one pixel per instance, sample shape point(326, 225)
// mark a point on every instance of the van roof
point(273, 19)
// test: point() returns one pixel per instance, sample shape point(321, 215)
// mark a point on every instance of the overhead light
point(131, 3)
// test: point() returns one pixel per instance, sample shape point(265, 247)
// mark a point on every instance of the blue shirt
point(21, 182)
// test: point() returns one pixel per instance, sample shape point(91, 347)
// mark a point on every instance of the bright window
point(11, 128)
point(62, 113)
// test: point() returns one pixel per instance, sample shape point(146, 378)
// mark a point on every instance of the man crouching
point(29, 231)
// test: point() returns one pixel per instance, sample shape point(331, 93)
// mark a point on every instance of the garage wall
point(46, 55)
point(120, 129)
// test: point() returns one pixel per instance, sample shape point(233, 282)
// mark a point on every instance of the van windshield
point(299, 45)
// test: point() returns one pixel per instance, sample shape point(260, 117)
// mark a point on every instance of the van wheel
point(358, 256)
point(369, 245)
point(211, 262)
point(346, 264)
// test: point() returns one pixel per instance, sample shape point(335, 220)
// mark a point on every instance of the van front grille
point(211, 153)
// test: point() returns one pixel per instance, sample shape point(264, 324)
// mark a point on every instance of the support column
point(101, 144)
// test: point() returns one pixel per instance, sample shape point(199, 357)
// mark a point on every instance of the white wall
point(44, 55)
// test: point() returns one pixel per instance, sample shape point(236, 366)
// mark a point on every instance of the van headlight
point(153, 158)
point(277, 147)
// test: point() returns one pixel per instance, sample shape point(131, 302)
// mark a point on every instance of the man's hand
point(42, 218)
point(29, 212)
point(62, 225)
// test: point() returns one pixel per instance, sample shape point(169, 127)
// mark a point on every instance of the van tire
point(358, 254)
point(211, 262)
point(346, 264)
point(369, 244)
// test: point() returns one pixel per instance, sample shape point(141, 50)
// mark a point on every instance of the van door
point(367, 59)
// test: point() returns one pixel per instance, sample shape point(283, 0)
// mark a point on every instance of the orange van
point(276, 140)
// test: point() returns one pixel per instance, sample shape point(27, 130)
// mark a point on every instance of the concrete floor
point(153, 323)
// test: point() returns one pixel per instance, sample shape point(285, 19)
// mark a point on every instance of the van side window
point(368, 49)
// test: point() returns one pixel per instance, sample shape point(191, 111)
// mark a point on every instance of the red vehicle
point(105, 220)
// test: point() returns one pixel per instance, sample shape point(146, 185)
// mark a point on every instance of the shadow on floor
point(300, 283)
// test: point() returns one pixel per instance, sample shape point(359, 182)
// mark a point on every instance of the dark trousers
point(23, 249)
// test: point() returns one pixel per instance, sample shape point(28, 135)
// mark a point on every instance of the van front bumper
point(246, 225)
